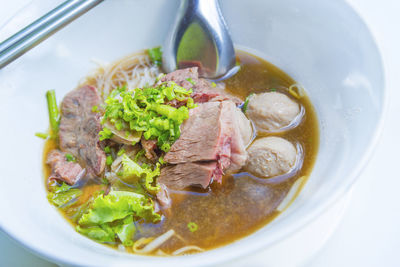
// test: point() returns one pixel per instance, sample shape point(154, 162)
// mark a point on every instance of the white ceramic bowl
point(324, 45)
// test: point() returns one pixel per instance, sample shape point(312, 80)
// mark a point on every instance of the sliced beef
point(80, 127)
point(62, 170)
point(194, 145)
point(149, 147)
point(181, 176)
point(211, 134)
point(183, 77)
point(202, 89)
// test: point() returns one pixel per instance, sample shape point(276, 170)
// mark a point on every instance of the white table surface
point(369, 234)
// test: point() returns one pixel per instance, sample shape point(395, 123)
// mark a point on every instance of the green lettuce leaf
point(103, 233)
point(132, 172)
point(117, 205)
point(125, 231)
point(106, 233)
point(64, 195)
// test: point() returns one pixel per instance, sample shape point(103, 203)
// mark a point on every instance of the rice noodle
point(181, 251)
point(141, 243)
point(154, 244)
point(134, 71)
point(296, 90)
point(160, 252)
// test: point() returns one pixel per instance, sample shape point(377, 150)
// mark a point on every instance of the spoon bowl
point(200, 38)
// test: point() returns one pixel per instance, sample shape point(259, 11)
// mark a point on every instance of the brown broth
point(242, 204)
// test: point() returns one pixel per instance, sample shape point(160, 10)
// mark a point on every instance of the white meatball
point(271, 156)
point(272, 111)
point(245, 128)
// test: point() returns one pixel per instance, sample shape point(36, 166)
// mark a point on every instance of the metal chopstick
point(53, 14)
point(41, 29)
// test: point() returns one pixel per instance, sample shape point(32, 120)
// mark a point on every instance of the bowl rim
point(310, 216)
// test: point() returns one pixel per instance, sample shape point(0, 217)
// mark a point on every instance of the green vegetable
point(126, 231)
point(273, 90)
point(105, 134)
point(120, 152)
point(132, 172)
point(64, 195)
point(54, 114)
point(70, 158)
point(213, 84)
point(191, 81)
point(246, 103)
point(102, 233)
point(155, 55)
point(147, 111)
point(109, 160)
point(95, 109)
point(161, 160)
point(42, 135)
point(117, 205)
point(139, 154)
point(63, 188)
point(105, 181)
point(192, 227)
point(123, 229)
point(107, 149)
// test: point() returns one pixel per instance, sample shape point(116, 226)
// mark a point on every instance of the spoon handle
point(42, 28)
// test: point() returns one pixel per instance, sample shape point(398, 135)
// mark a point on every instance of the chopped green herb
point(139, 154)
point(155, 55)
point(105, 134)
point(107, 149)
point(213, 84)
point(42, 135)
point(191, 81)
point(246, 103)
point(104, 181)
point(192, 226)
point(120, 152)
point(146, 111)
point(161, 160)
point(95, 109)
point(70, 158)
point(109, 160)
point(273, 90)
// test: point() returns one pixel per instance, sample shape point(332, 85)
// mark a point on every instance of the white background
point(369, 234)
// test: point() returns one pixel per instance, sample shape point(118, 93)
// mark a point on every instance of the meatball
point(272, 111)
point(245, 128)
point(271, 156)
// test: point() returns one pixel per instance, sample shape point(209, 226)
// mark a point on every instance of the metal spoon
point(200, 37)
